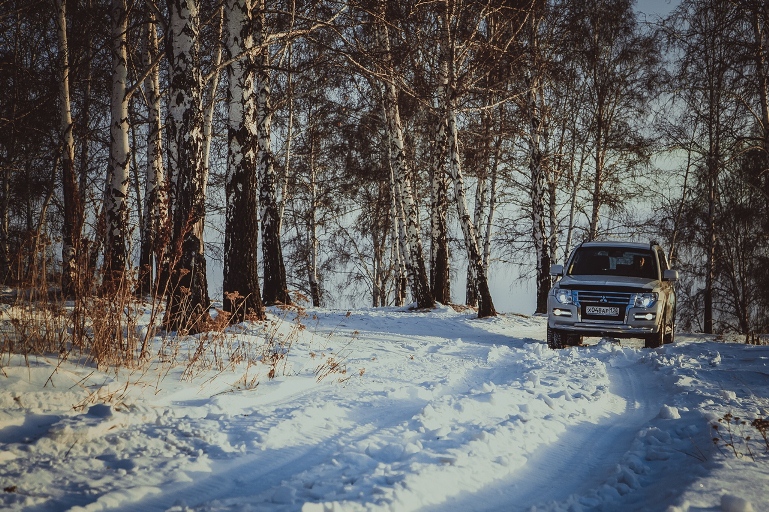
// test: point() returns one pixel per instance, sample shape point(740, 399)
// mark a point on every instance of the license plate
point(601, 311)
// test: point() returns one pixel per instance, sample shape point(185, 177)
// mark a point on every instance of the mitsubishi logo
point(603, 299)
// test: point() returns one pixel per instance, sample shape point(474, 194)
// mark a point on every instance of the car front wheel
point(670, 334)
point(656, 340)
point(555, 338)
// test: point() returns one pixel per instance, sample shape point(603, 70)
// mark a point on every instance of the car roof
point(611, 243)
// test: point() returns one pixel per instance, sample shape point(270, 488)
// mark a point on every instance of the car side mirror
point(670, 275)
point(556, 270)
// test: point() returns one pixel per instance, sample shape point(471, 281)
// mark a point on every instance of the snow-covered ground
point(387, 409)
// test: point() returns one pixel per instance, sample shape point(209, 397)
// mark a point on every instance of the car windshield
point(613, 261)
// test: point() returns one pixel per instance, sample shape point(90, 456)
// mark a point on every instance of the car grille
point(613, 298)
point(618, 300)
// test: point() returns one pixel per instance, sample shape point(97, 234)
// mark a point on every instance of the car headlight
point(645, 300)
point(563, 296)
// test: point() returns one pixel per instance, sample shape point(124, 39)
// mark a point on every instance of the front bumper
point(634, 322)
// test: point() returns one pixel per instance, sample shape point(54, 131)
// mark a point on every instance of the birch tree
point(275, 288)
point(475, 258)
point(401, 184)
point(120, 152)
point(188, 288)
point(73, 207)
point(539, 159)
point(242, 296)
point(440, 277)
point(154, 233)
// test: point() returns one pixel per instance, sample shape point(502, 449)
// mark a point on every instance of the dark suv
point(613, 289)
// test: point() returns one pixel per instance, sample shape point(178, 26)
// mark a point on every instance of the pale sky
point(656, 7)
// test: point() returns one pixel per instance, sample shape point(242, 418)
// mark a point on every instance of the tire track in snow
point(247, 476)
point(583, 459)
point(258, 477)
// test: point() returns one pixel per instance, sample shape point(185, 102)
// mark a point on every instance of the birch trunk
point(712, 238)
point(5, 192)
point(242, 296)
point(73, 207)
point(376, 288)
point(275, 288)
point(494, 171)
point(312, 235)
point(440, 279)
point(575, 182)
point(85, 111)
point(155, 234)
point(210, 106)
point(598, 177)
point(6, 157)
point(402, 246)
point(116, 207)
point(415, 263)
point(188, 299)
point(378, 235)
point(475, 258)
point(537, 150)
point(481, 192)
point(398, 242)
point(485, 303)
point(471, 292)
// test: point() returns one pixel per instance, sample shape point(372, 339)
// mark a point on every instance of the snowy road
point(581, 460)
point(431, 411)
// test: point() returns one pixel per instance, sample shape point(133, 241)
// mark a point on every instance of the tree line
point(371, 150)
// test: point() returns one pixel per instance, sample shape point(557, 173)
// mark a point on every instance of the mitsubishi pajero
point(615, 290)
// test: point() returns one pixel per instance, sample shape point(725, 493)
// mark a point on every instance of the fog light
point(561, 312)
point(644, 316)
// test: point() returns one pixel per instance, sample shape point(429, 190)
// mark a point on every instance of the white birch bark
point(575, 183)
point(415, 263)
point(242, 297)
point(399, 253)
point(155, 235)
point(275, 287)
point(210, 107)
point(188, 290)
point(481, 188)
point(73, 208)
point(486, 306)
point(289, 137)
point(312, 234)
point(398, 241)
point(116, 207)
point(439, 250)
point(494, 171)
point(537, 151)
point(475, 259)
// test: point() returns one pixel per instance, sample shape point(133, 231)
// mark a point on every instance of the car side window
point(663, 260)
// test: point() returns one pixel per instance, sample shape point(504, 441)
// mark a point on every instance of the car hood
point(609, 283)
